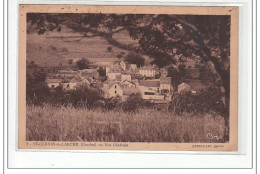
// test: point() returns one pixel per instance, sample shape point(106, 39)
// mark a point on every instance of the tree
point(101, 71)
point(37, 91)
point(83, 64)
point(174, 74)
point(133, 103)
point(134, 58)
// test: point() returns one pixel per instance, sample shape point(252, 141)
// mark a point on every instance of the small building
point(166, 85)
point(147, 71)
point(125, 77)
point(113, 75)
point(53, 83)
point(183, 87)
point(112, 89)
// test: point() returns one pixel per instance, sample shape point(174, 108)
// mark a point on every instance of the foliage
point(209, 100)
point(101, 71)
point(177, 74)
point(83, 64)
point(109, 49)
point(113, 103)
point(37, 91)
point(134, 58)
point(85, 96)
point(133, 103)
point(206, 74)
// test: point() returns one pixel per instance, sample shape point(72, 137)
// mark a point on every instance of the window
point(148, 93)
point(115, 92)
point(115, 86)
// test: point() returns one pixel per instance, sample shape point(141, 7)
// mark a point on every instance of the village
point(122, 79)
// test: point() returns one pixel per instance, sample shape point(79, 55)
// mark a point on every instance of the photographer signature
point(211, 136)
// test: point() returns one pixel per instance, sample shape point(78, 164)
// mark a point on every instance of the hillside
point(54, 47)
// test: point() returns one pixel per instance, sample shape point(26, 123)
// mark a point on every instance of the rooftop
point(149, 83)
point(165, 80)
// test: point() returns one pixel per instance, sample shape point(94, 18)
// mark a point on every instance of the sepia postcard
point(149, 78)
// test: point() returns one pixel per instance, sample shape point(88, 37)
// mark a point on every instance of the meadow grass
point(47, 123)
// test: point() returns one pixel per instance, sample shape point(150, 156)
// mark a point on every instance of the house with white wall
point(147, 71)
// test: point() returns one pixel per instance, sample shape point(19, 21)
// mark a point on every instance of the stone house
point(112, 89)
point(147, 71)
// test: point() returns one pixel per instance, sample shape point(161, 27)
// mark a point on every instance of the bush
point(204, 102)
point(65, 50)
point(37, 91)
point(85, 96)
point(133, 103)
point(109, 49)
point(210, 100)
point(134, 58)
point(181, 102)
point(83, 64)
point(113, 103)
point(119, 56)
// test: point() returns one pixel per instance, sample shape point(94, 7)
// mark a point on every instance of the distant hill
point(54, 47)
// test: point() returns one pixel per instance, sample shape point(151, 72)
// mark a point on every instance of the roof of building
point(183, 85)
point(53, 80)
point(88, 71)
point(149, 83)
point(146, 68)
point(165, 80)
point(76, 79)
point(111, 83)
point(129, 91)
point(126, 81)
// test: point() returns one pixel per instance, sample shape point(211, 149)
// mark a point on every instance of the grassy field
point(39, 47)
point(69, 124)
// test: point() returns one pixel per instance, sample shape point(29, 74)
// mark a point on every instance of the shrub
point(134, 58)
point(83, 64)
point(181, 102)
point(133, 103)
point(113, 103)
point(109, 49)
point(85, 96)
point(209, 100)
point(204, 102)
point(65, 50)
